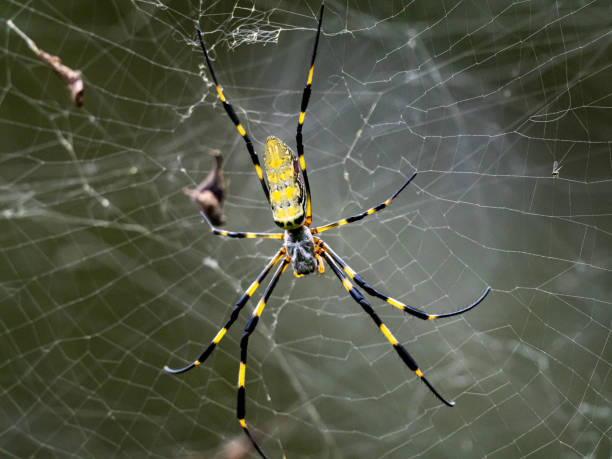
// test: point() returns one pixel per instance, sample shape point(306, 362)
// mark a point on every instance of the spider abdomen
point(286, 182)
point(301, 249)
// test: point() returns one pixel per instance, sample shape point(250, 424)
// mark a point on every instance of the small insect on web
point(288, 192)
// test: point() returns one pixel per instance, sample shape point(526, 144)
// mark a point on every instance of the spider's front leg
point(244, 343)
point(234, 315)
point(398, 304)
point(401, 350)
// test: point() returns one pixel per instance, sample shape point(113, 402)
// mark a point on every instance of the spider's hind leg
point(232, 115)
point(303, 108)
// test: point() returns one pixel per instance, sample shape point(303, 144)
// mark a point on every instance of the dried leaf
point(210, 194)
point(72, 78)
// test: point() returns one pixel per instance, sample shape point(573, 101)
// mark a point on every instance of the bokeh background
point(107, 272)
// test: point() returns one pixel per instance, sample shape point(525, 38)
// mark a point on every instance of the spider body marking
point(289, 205)
point(288, 192)
point(287, 187)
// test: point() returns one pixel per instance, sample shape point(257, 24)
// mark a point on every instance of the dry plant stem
point(72, 78)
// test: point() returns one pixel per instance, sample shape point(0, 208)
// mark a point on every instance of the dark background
point(107, 272)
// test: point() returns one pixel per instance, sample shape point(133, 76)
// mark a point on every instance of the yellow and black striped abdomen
point(287, 196)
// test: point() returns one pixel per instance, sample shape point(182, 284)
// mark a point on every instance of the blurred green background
point(107, 272)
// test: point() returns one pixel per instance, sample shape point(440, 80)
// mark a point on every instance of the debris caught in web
point(556, 169)
point(210, 194)
point(72, 78)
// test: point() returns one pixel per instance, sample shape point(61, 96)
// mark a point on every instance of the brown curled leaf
point(72, 78)
point(210, 194)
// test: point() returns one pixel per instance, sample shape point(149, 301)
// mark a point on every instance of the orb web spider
point(289, 197)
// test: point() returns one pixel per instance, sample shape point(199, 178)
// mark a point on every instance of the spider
point(288, 194)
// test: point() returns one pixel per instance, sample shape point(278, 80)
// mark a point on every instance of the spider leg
point(304, 106)
point(232, 114)
point(365, 213)
point(401, 351)
point(240, 234)
point(235, 311)
point(398, 304)
point(244, 342)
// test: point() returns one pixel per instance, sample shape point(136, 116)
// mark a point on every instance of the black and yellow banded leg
point(241, 234)
point(392, 301)
point(401, 351)
point(234, 315)
point(365, 213)
point(244, 343)
point(232, 114)
point(303, 107)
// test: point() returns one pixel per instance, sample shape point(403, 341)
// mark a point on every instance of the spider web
point(108, 272)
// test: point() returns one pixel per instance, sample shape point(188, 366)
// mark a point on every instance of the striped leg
point(240, 234)
point(401, 351)
point(398, 304)
point(235, 311)
point(365, 213)
point(232, 114)
point(244, 342)
point(304, 106)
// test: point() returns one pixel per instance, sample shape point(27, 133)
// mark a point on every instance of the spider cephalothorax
point(289, 198)
point(300, 247)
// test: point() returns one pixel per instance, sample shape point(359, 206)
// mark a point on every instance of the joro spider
point(289, 197)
